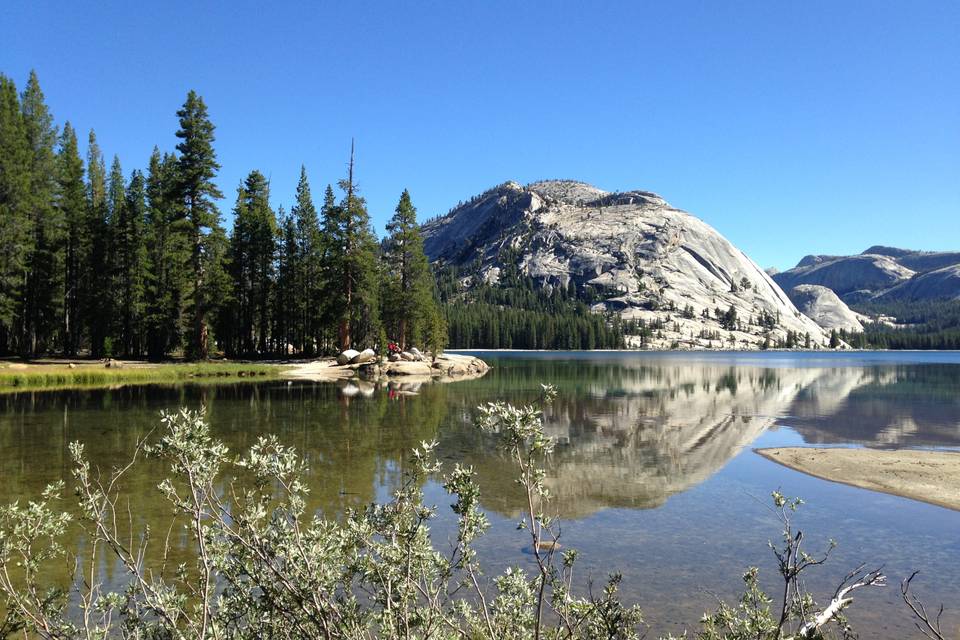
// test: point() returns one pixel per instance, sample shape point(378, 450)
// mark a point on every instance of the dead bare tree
point(929, 627)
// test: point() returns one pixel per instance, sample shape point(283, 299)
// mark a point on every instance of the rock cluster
point(352, 356)
point(365, 365)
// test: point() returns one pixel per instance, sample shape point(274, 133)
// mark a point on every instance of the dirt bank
point(928, 476)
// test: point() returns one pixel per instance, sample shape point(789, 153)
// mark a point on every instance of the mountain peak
point(579, 193)
point(629, 253)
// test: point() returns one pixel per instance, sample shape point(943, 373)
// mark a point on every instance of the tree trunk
point(200, 350)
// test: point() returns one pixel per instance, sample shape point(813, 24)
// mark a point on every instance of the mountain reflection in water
point(646, 456)
point(630, 431)
point(643, 432)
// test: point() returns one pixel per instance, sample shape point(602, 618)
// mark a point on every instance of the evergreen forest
point(103, 261)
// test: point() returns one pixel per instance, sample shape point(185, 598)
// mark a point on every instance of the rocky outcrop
point(822, 305)
point(941, 284)
point(444, 368)
point(880, 273)
point(630, 253)
point(846, 274)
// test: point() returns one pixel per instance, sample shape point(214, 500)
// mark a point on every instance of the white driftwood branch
point(839, 602)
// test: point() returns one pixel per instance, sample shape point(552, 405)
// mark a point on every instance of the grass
point(45, 376)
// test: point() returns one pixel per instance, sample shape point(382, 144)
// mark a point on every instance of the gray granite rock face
point(646, 259)
point(941, 284)
point(825, 308)
point(846, 274)
point(880, 273)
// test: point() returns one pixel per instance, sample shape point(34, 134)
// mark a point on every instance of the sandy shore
point(928, 476)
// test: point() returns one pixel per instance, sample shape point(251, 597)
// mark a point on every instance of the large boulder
point(347, 356)
point(367, 355)
point(407, 368)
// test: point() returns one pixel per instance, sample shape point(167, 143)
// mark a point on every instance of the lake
point(654, 473)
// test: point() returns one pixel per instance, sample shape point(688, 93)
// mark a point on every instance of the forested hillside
point(933, 324)
point(518, 314)
point(104, 262)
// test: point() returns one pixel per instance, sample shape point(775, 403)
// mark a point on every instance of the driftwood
point(841, 599)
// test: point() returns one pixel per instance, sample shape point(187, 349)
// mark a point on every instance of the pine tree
point(331, 275)
point(96, 287)
point(352, 283)
point(131, 265)
point(253, 245)
point(437, 333)
point(306, 270)
point(73, 209)
point(40, 298)
point(288, 296)
point(168, 253)
point(197, 168)
point(110, 303)
point(15, 236)
point(408, 288)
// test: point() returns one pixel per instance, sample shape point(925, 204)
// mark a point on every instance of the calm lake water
point(654, 474)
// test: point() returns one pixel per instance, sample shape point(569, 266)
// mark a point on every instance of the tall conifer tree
point(197, 168)
point(408, 288)
point(96, 284)
point(41, 298)
point(306, 269)
point(253, 246)
point(131, 266)
point(15, 236)
point(168, 255)
point(352, 289)
point(288, 296)
point(73, 209)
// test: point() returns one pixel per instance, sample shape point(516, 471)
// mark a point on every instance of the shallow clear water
point(654, 473)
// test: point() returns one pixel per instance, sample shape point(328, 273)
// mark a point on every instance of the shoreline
point(930, 476)
point(55, 374)
point(76, 373)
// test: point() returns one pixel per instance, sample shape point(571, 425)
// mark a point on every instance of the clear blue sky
point(792, 127)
